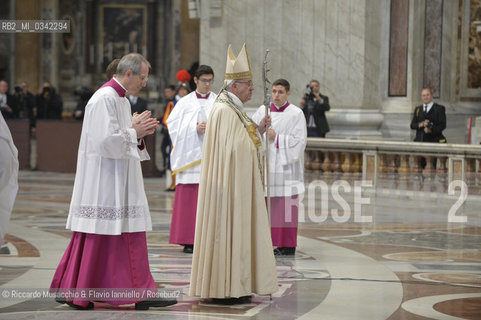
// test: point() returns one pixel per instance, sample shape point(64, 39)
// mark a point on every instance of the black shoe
point(60, 300)
point(245, 299)
point(285, 251)
point(231, 301)
point(277, 252)
point(288, 251)
point(145, 305)
point(90, 306)
point(188, 248)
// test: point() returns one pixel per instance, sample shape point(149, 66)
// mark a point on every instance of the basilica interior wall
point(372, 57)
point(322, 40)
point(6, 45)
point(437, 57)
point(101, 30)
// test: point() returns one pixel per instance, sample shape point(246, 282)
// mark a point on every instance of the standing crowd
point(22, 104)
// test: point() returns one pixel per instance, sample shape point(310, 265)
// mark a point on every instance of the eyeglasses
point(249, 83)
point(143, 78)
point(206, 80)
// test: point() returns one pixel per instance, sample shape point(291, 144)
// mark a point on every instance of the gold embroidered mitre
point(237, 68)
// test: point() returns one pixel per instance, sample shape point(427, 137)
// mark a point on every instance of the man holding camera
point(314, 105)
point(26, 102)
point(429, 119)
point(49, 103)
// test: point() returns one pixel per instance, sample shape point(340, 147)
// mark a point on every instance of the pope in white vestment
point(186, 125)
point(233, 255)
point(286, 165)
point(8, 176)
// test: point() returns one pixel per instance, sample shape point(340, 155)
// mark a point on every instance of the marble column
point(398, 47)
point(49, 45)
point(27, 47)
point(335, 42)
point(432, 45)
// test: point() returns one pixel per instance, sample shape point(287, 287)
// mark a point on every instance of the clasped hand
point(425, 124)
point(144, 124)
point(7, 108)
point(201, 127)
point(265, 122)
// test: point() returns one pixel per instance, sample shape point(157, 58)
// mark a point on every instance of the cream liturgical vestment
point(233, 254)
point(286, 152)
point(182, 124)
point(108, 196)
point(8, 176)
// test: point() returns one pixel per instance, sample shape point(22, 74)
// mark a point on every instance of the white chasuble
point(233, 254)
point(108, 195)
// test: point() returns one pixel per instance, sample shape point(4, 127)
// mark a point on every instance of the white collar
point(237, 101)
point(120, 84)
point(428, 106)
point(203, 95)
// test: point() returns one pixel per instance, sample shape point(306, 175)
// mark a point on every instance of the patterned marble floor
point(381, 255)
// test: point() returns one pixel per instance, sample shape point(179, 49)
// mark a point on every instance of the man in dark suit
point(49, 103)
point(314, 105)
point(137, 104)
point(429, 119)
point(25, 102)
point(8, 103)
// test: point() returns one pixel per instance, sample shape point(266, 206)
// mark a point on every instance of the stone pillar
point(7, 44)
point(335, 42)
point(27, 47)
point(49, 45)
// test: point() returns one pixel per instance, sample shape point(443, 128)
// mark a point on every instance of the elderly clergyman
point(233, 255)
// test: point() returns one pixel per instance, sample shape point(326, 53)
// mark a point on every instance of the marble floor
point(366, 254)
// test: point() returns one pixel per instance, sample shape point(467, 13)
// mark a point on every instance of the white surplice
point(8, 176)
point(108, 195)
point(182, 124)
point(286, 152)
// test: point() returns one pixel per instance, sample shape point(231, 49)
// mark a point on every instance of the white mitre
point(238, 68)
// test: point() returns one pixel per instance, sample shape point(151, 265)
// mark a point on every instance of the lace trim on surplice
point(108, 213)
point(126, 136)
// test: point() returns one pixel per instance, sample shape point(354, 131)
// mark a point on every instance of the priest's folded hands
point(201, 127)
point(143, 124)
